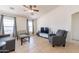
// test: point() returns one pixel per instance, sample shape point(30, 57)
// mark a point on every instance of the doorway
point(75, 26)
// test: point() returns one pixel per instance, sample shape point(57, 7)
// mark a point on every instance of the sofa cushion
point(46, 30)
point(42, 29)
point(43, 35)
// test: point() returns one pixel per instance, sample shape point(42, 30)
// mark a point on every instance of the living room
point(22, 26)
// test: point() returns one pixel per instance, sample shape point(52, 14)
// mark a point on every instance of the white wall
point(59, 18)
point(75, 26)
point(21, 23)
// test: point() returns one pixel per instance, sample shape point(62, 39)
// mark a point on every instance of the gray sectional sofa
point(9, 43)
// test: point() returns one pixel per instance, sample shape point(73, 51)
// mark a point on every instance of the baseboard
point(74, 41)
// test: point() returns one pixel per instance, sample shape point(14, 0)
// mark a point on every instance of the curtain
point(27, 27)
point(33, 26)
point(1, 25)
point(15, 28)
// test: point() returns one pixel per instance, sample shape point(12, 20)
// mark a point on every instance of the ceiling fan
point(31, 7)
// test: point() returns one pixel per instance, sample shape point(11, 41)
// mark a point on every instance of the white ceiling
point(46, 8)
point(19, 9)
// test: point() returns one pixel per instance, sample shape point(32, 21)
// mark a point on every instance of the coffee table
point(23, 36)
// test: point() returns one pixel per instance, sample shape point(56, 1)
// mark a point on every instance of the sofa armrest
point(5, 35)
point(51, 34)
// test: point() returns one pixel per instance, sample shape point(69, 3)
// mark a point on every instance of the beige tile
point(41, 45)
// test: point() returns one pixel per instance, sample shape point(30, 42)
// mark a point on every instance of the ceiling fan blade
point(34, 6)
point(35, 10)
point(25, 6)
point(31, 7)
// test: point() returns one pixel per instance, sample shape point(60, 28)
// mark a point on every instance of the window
point(8, 24)
point(30, 25)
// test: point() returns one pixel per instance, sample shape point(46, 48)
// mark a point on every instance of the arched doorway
point(75, 26)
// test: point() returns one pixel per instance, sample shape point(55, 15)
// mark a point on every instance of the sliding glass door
point(8, 24)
